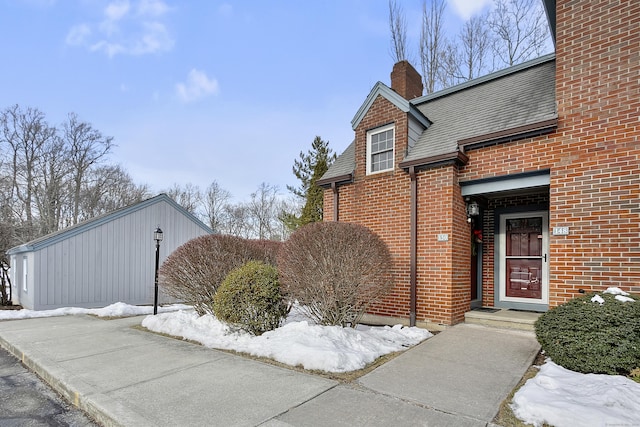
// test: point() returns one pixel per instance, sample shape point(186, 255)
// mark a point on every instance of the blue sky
point(196, 91)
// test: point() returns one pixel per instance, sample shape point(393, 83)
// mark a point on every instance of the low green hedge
point(249, 298)
point(590, 337)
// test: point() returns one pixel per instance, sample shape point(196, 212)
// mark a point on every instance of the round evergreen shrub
point(590, 337)
point(249, 298)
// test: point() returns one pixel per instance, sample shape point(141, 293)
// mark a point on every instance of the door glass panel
point(524, 257)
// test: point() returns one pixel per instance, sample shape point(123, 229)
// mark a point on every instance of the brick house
point(516, 190)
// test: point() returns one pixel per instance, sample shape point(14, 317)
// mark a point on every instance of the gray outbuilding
point(101, 261)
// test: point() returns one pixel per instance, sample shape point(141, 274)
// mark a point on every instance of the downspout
point(334, 187)
point(413, 247)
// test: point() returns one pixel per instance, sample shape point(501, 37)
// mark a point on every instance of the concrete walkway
point(124, 376)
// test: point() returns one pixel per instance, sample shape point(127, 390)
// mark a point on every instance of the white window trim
point(393, 150)
point(25, 276)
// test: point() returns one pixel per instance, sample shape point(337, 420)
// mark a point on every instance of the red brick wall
point(594, 163)
point(596, 184)
point(381, 202)
point(594, 157)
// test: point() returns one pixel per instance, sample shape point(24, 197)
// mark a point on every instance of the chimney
point(406, 80)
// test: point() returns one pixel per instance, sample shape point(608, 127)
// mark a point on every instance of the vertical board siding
point(110, 262)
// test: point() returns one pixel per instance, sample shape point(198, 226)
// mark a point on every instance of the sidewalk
point(124, 376)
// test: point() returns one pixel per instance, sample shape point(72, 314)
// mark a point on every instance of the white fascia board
point(380, 89)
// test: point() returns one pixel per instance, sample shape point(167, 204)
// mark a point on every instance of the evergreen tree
point(309, 168)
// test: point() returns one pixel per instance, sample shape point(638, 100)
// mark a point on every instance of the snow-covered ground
point(118, 309)
point(560, 397)
point(297, 342)
point(556, 396)
point(564, 398)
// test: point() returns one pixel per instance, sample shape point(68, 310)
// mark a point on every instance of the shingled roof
point(500, 105)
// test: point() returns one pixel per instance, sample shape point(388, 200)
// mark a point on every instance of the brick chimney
point(406, 80)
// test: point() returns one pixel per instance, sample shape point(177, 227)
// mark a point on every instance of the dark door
point(524, 257)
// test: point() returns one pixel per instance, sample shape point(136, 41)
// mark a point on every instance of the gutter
point(413, 247)
point(336, 210)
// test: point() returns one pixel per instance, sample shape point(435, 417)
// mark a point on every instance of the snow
point(118, 309)
point(296, 343)
point(598, 299)
point(560, 397)
point(620, 295)
point(616, 291)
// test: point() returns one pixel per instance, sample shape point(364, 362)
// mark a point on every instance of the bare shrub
point(264, 250)
point(193, 272)
point(335, 271)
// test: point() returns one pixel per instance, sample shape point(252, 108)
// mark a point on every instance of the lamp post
point(157, 236)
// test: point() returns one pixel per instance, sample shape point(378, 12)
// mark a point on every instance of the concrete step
point(502, 318)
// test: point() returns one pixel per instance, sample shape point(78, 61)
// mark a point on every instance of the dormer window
point(380, 143)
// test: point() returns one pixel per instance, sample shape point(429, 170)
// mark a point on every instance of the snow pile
point(118, 309)
point(297, 343)
point(620, 295)
point(598, 299)
point(560, 397)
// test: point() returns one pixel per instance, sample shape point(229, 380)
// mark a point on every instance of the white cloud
point(117, 10)
point(465, 9)
point(127, 28)
point(198, 85)
point(78, 34)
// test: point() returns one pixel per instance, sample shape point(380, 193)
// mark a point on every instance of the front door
point(523, 259)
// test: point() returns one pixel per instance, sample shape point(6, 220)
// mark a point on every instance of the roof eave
point(457, 157)
point(340, 179)
point(520, 132)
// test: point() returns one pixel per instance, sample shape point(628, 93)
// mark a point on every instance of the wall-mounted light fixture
point(473, 209)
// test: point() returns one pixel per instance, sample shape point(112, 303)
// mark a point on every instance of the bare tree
point(52, 178)
point(475, 44)
point(432, 43)
point(236, 220)
point(87, 147)
point(520, 28)
point(515, 31)
point(51, 182)
point(9, 226)
point(288, 209)
point(26, 134)
point(215, 199)
point(108, 188)
point(189, 196)
point(398, 27)
point(263, 213)
point(449, 73)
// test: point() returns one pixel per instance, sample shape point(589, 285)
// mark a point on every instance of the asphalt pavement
point(26, 401)
point(124, 376)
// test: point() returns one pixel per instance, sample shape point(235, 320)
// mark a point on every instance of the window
point(380, 143)
point(24, 273)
